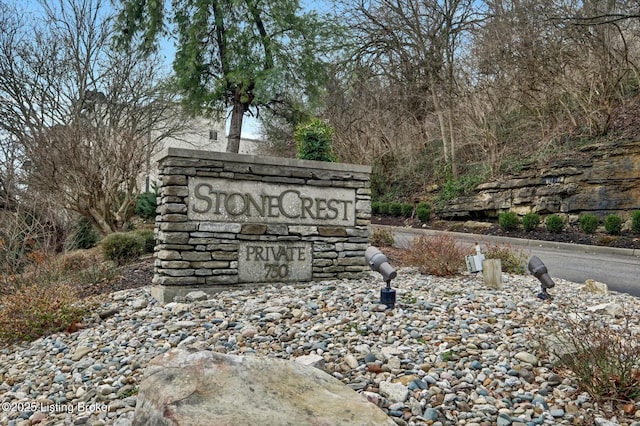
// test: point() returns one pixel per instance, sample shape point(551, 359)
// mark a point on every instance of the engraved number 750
point(273, 270)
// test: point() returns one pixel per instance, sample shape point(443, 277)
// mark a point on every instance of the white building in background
point(203, 134)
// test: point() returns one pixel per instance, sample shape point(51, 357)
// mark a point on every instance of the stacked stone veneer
point(234, 220)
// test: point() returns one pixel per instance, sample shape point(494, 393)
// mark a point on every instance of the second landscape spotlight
point(380, 263)
point(539, 270)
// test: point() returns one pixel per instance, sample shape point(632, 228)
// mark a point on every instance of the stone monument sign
point(235, 220)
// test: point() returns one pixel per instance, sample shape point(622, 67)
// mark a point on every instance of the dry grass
point(606, 240)
point(381, 238)
point(45, 297)
point(78, 260)
point(512, 260)
point(38, 302)
point(438, 255)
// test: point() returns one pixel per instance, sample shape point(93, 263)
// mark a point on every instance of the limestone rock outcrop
point(600, 179)
point(189, 387)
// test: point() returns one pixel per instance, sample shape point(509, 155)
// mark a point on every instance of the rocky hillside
point(601, 178)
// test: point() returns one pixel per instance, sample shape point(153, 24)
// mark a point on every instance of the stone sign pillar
point(236, 220)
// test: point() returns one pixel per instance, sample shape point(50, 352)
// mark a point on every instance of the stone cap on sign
point(261, 159)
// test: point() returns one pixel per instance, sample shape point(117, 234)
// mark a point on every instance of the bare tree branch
point(86, 116)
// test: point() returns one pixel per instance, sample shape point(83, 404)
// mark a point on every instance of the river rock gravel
point(451, 352)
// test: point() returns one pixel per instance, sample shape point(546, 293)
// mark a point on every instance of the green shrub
point(375, 207)
point(588, 223)
point(423, 212)
point(149, 239)
point(513, 260)
point(635, 221)
point(407, 209)
point(554, 224)
point(122, 247)
point(314, 140)
point(83, 235)
point(384, 208)
point(439, 255)
point(146, 205)
point(464, 185)
point(530, 221)
point(381, 238)
point(612, 224)
point(395, 209)
point(508, 221)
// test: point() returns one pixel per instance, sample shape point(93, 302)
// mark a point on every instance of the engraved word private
point(227, 200)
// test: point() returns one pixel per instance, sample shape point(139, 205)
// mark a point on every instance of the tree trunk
point(98, 219)
point(452, 146)
point(235, 130)
point(443, 126)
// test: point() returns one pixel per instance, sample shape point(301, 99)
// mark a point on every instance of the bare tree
point(413, 45)
point(87, 116)
point(492, 84)
point(559, 68)
point(11, 166)
point(508, 80)
point(605, 60)
point(374, 125)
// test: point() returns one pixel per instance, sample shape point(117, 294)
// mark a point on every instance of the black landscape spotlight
point(380, 263)
point(539, 270)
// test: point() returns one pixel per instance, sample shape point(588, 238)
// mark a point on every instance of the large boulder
point(188, 387)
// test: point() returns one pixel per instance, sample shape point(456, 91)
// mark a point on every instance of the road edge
point(481, 238)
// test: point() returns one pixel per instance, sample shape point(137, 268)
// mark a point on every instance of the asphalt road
point(618, 268)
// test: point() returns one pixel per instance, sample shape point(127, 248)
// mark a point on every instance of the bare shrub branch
point(438, 255)
point(601, 353)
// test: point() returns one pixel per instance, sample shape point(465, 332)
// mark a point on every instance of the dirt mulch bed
point(132, 275)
